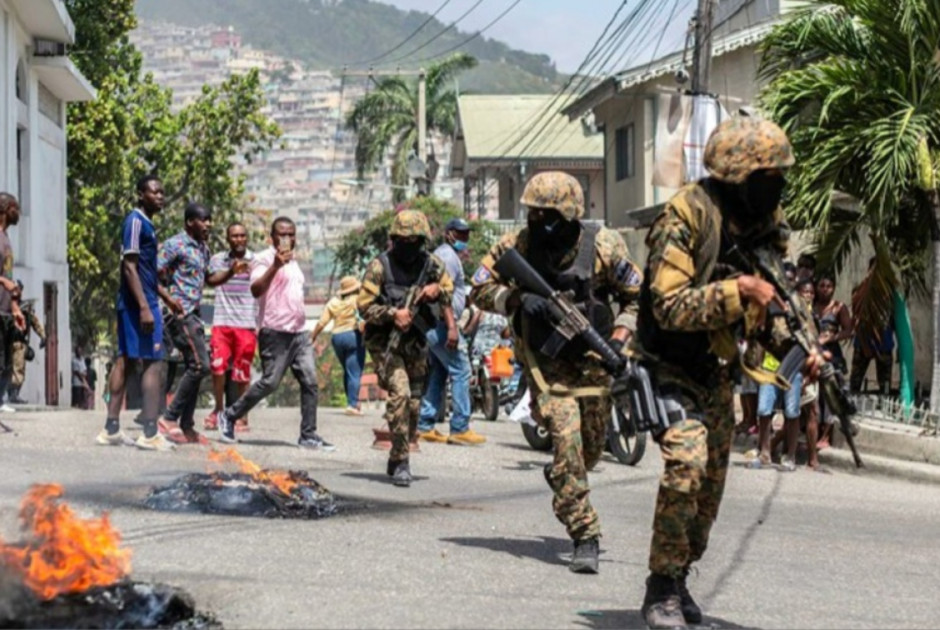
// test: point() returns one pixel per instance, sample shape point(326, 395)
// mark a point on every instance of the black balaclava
point(754, 200)
point(405, 252)
point(552, 234)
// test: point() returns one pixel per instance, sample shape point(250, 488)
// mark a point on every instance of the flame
point(278, 478)
point(63, 553)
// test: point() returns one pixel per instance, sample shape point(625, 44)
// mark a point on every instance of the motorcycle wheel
point(537, 437)
point(627, 445)
point(490, 401)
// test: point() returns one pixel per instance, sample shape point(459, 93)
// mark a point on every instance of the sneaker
point(211, 423)
point(469, 436)
point(402, 477)
point(155, 443)
point(787, 464)
point(316, 442)
point(584, 558)
point(352, 411)
point(432, 436)
point(113, 439)
point(5, 408)
point(226, 429)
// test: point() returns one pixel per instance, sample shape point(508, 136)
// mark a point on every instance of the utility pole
point(702, 53)
point(422, 116)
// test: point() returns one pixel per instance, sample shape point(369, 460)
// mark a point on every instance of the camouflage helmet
point(410, 223)
point(740, 146)
point(557, 190)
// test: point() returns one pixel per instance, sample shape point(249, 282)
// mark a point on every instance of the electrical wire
point(407, 39)
point(472, 37)
point(433, 39)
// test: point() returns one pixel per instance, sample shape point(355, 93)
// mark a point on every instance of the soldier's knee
point(684, 447)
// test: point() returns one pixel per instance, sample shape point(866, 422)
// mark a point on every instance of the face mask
point(405, 252)
point(762, 193)
point(459, 246)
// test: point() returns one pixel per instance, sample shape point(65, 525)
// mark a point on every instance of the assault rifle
point(763, 262)
point(569, 322)
point(633, 390)
point(410, 303)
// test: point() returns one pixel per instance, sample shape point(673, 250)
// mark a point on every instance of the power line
point(447, 28)
point(407, 39)
point(474, 36)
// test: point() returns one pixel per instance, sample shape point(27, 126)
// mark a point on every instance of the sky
point(566, 29)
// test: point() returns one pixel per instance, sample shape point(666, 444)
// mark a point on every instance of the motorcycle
point(623, 440)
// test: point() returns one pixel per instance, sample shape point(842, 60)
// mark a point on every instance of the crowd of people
point(804, 411)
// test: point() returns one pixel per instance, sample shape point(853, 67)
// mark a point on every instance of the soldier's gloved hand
point(535, 305)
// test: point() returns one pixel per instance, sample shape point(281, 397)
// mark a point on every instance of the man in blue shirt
point(139, 322)
point(445, 361)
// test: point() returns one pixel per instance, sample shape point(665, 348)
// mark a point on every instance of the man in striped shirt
point(233, 324)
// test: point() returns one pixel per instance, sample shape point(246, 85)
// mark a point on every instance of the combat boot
point(584, 558)
point(690, 610)
point(402, 476)
point(662, 607)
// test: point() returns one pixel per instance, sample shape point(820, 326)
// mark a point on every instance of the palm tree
point(856, 84)
point(386, 118)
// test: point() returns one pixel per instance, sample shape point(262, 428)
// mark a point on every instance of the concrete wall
point(35, 172)
point(733, 77)
point(921, 311)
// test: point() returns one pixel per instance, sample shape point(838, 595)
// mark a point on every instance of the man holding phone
point(278, 284)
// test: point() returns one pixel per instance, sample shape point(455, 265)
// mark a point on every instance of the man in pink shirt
point(278, 284)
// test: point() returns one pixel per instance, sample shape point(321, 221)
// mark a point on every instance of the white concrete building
point(37, 79)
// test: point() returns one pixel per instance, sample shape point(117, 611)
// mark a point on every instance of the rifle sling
point(557, 389)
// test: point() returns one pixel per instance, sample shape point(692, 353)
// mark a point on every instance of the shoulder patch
point(626, 274)
point(481, 275)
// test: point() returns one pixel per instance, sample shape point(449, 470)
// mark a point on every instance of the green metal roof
point(513, 127)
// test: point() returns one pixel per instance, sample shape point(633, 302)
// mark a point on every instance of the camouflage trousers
point(695, 453)
point(403, 376)
point(19, 364)
point(578, 427)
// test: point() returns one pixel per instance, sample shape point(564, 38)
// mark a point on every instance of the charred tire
point(629, 444)
point(537, 437)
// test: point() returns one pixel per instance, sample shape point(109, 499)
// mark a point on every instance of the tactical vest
point(577, 281)
point(696, 352)
point(397, 282)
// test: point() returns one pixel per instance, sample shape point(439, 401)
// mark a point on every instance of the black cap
point(458, 225)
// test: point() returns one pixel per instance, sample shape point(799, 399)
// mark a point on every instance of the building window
point(624, 152)
point(21, 81)
point(50, 106)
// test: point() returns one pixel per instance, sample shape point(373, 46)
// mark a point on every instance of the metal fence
point(888, 409)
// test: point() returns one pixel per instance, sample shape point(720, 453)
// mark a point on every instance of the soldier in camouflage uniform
point(21, 348)
point(403, 373)
point(570, 392)
point(691, 299)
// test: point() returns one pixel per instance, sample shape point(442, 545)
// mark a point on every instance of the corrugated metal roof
point(512, 127)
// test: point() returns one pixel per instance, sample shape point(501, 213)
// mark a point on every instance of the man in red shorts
point(233, 325)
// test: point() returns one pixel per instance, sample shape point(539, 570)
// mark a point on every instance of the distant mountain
point(330, 34)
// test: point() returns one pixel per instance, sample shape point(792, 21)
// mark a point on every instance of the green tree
point(129, 130)
point(358, 247)
point(856, 84)
point(386, 118)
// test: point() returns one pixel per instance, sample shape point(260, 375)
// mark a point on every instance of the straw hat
point(347, 285)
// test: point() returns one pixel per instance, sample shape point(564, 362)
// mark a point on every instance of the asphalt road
point(473, 543)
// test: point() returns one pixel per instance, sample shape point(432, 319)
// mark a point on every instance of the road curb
point(875, 465)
